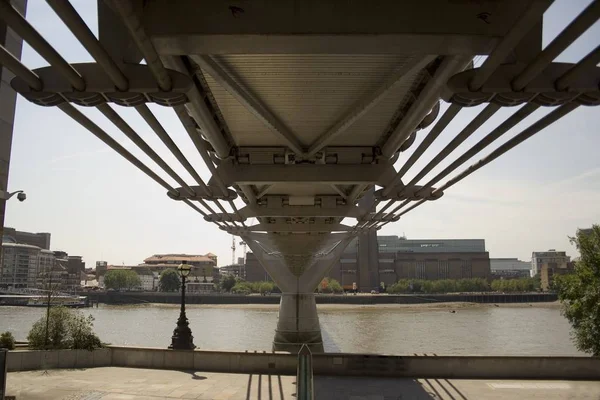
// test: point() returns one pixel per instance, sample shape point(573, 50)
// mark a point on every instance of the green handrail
point(304, 375)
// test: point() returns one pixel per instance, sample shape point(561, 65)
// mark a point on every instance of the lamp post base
point(182, 338)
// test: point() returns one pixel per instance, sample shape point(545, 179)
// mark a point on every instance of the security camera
point(8, 195)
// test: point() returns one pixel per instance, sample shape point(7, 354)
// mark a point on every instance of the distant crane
point(245, 246)
point(233, 250)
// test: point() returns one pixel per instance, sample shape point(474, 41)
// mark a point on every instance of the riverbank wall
point(175, 298)
point(279, 363)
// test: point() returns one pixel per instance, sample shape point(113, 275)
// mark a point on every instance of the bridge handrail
point(304, 375)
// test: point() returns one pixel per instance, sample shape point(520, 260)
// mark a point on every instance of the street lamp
point(182, 338)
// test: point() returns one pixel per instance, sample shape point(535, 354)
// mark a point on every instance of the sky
point(97, 205)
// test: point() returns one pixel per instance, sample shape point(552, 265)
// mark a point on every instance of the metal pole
point(17, 22)
point(439, 127)
point(182, 338)
point(7, 106)
point(508, 43)
point(589, 62)
point(112, 143)
point(475, 124)
point(77, 25)
point(518, 139)
point(575, 29)
point(20, 70)
point(3, 372)
point(304, 375)
point(182, 311)
point(427, 99)
point(125, 9)
point(507, 125)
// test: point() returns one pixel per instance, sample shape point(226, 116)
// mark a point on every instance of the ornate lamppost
point(182, 338)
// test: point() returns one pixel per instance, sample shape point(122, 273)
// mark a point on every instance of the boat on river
point(70, 302)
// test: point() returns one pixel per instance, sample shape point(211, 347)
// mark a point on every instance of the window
point(466, 269)
point(420, 270)
point(443, 269)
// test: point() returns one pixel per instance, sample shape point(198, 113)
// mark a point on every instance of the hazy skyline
point(97, 205)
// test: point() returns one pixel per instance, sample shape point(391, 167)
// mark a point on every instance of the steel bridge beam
point(305, 173)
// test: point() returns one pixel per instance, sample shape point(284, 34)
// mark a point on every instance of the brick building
point(548, 271)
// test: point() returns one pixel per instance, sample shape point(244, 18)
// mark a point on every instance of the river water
point(470, 330)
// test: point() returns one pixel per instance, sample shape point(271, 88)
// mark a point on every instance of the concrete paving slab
point(365, 388)
point(113, 383)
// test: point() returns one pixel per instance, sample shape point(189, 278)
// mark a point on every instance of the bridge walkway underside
point(308, 118)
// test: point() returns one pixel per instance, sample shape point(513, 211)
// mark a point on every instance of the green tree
point(228, 282)
point(7, 341)
point(335, 286)
point(515, 285)
point(242, 287)
point(169, 281)
point(329, 285)
point(254, 286)
point(265, 287)
point(122, 279)
point(68, 329)
point(579, 292)
point(497, 285)
point(324, 286)
point(402, 286)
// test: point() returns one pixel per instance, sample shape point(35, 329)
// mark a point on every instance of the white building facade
point(509, 267)
point(19, 266)
point(148, 280)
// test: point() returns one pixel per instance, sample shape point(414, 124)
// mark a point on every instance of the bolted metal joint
point(222, 217)
point(542, 90)
point(200, 194)
point(100, 88)
point(413, 193)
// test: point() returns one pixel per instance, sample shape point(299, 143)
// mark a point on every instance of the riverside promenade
point(135, 373)
point(114, 383)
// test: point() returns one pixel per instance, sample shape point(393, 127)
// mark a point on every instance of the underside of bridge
point(302, 109)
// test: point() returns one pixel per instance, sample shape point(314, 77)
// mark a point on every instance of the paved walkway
point(137, 384)
point(346, 388)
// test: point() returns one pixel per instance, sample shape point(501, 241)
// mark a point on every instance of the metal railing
point(304, 375)
point(3, 374)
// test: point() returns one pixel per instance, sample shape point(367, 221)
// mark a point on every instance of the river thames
point(537, 329)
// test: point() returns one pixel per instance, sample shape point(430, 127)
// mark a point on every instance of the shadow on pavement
point(338, 388)
point(194, 375)
point(264, 387)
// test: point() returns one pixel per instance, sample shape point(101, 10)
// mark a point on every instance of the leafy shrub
point(579, 292)
point(262, 287)
point(67, 329)
point(7, 341)
point(439, 286)
point(241, 288)
point(515, 285)
point(122, 279)
point(265, 287)
point(228, 282)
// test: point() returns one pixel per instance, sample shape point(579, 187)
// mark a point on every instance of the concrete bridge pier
point(297, 263)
